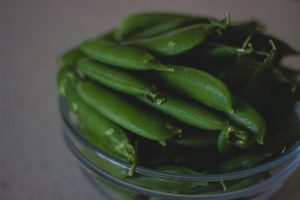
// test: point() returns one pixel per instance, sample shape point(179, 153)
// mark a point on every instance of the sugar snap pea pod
point(71, 57)
point(198, 85)
point(62, 77)
point(245, 182)
point(236, 75)
point(168, 185)
point(177, 41)
point(120, 80)
point(260, 41)
point(217, 53)
point(195, 140)
point(243, 161)
point(105, 164)
point(224, 146)
point(127, 114)
point(100, 131)
point(164, 28)
point(133, 24)
point(250, 26)
point(108, 36)
point(191, 113)
point(121, 56)
point(173, 154)
point(248, 118)
point(257, 89)
point(223, 53)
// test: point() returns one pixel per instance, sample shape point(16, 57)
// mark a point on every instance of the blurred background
point(34, 162)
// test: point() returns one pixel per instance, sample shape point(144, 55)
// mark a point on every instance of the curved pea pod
point(98, 130)
point(105, 164)
point(221, 53)
point(243, 161)
point(198, 85)
point(250, 26)
point(236, 75)
point(175, 42)
point(71, 57)
point(126, 113)
point(257, 89)
point(245, 182)
point(62, 77)
point(168, 184)
point(191, 113)
point(248, 118)
point(109, 36)
point(200, 140)
point(121, 56)
point(224, 146)
point(260, 41)
point(120, 80)
point(136, 23)
point(175, 154)
point(164, 27)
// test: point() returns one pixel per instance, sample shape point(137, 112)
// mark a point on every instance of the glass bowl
point(110, 174)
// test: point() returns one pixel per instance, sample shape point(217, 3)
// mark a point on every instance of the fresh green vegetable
point(127, 114)
point(120, 80)
point(177, 41)
point(199, 85)
point(121, 56)
point(98, 130)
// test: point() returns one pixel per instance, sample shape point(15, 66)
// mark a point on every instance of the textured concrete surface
point(34, 162)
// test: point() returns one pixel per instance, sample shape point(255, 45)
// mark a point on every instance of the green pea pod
point(198, 85)
point(120, 80)
point(169, 185)
point(191, 113)
point(247, 117)
point(235, 36)
point(177, 41)
point(103, 163)
point(164, 28)
point(250, 26)
point(243, 161)
point(101, 132)
point(245, 182)
point(71, 57)
point(236, 75)
point(221, 53)
point(136, 23)
point(197, 140)
point(109, 36)
point(257, 88)
point(224, 146)
point(61, 77)
point(121, 56)
point(126, 113)
point(183, 155)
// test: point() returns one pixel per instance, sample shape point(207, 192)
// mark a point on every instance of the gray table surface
point(34, 161)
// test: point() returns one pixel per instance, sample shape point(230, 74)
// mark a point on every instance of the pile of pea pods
point(183, 94)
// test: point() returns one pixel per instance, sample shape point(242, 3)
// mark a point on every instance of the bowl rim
point(260, 187)
point(292, 153)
